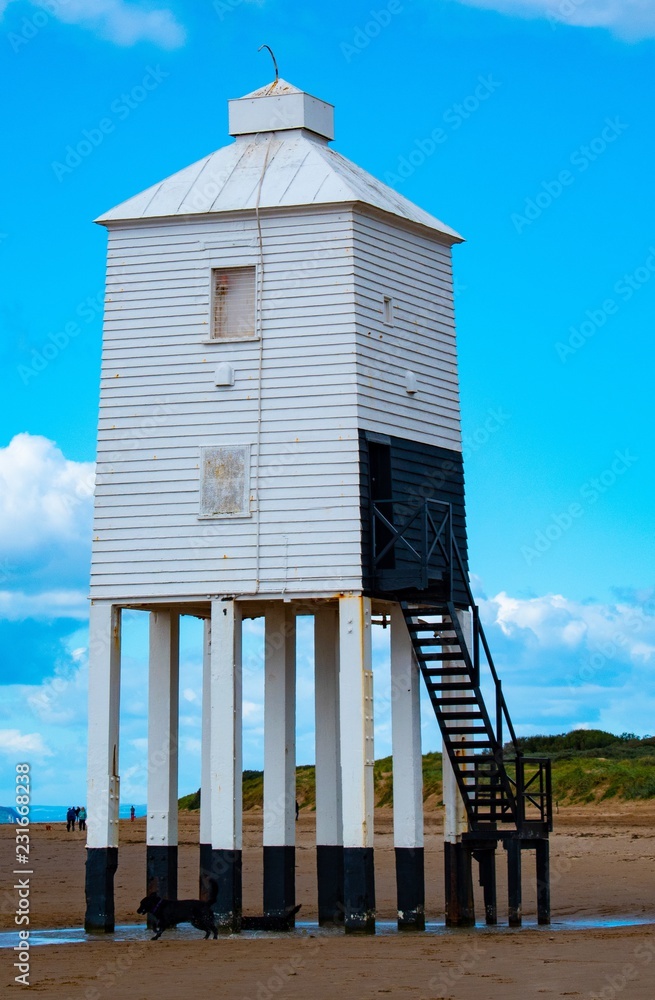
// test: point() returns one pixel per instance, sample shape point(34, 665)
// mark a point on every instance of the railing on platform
point(423, 529)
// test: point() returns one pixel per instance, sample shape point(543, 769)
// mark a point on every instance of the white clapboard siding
point(414, 270)
point(327, 366)
point(159, 406)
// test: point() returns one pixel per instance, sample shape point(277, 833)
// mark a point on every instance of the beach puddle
point(139, 932)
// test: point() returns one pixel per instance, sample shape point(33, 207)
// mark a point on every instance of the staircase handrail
point(502, 710)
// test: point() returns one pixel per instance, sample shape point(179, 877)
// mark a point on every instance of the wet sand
point(603, 868)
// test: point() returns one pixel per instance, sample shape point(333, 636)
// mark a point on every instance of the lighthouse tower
point(279, 434)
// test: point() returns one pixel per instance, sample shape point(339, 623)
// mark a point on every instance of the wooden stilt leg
point(487, 861)
point(543, 882)
point(513, 848)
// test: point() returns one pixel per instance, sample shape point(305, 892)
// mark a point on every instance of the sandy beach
point(603, 870)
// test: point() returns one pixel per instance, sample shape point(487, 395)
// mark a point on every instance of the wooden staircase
point(505, 793)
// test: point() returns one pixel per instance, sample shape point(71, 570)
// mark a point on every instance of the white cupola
point(279, 107)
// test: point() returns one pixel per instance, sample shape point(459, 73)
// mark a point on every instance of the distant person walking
point(81, 819)
point(77, 812)
point(70, 819)
point(132, 813)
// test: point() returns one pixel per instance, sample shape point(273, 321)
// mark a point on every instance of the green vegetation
point(588, 742)
point(589, 765)
point(253, 785)
point(593, 780)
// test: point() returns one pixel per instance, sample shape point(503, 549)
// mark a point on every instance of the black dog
point(169, 912)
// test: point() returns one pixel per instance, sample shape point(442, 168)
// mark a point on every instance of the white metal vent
point(225, 481)
point(233, 303)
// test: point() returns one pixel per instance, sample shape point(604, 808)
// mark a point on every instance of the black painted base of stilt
point(329, 870)
point(410, 888)
point(487, 862)
point(101, 865)
point(543, 881)
point(161, 874)
point(225, 871)
point(205, 873)
point(460, 907)
point(359, 890)
point(515, 908)
point(279, 881)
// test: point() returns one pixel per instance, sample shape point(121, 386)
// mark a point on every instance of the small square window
point(388, 310)
point(225, 481)
point(233, 303)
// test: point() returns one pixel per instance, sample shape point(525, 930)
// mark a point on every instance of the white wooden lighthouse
point(279, 432)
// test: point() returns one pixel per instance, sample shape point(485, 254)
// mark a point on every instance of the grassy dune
point(588, 766)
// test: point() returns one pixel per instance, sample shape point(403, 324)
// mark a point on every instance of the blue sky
point(525, 124)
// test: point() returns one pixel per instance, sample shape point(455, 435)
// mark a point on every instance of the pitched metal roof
point(294, 168)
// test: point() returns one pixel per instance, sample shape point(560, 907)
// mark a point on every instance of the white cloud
point(630, 19)
point(43, 495)
point(61, 699)
point(13, 742)
point(569, 663)
point(46, 606)
point(555, 621)
point(46, 513)
point(116, 20)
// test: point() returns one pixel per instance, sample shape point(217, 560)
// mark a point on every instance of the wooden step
point(465, 716)
point(449, 686)
point(441, 657)
point(432, 628)
point(470, 731)
point(448, 672)
point(468, 759)
point(457, 701)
